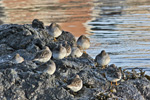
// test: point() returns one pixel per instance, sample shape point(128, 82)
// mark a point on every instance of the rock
point(144, 88)
point(21, 81)
point(55, 94)
point(5, 49)
point(128, 91)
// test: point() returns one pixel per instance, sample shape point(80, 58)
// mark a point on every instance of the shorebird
point(43, 55)
point(76, 84)
point(76, 52)
point(102, 59)
point(17, 59)
point(37, 24)
point(83, 42)
point(54, 30)
point(48, 67)
point(68, 48)
point(59, 52)
point(113, 74)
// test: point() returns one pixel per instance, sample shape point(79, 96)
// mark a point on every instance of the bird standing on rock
point(43, 55)
point(113, 74)
point(76, 52)
point(48, 67)
point(102, 59)
point(76, 84)
point(37, 24)
point(83, 42)
point(59, 52)
point(54, 30)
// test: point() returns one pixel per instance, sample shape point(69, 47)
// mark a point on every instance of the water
point(121, 27)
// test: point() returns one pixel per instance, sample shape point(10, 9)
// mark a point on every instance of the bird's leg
point(111, 83)
point(116, 84)
point(55, 39)
point(84, 52)
point(103, 67)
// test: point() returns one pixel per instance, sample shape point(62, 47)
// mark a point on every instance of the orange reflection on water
point(70, 14)
point(16, 11)
point(79, 14)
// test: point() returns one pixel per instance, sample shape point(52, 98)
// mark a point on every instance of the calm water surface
point(121, 27)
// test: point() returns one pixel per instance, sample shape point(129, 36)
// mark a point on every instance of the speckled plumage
point(76, 52)
point(43, 55)
point(48, 67)
point(54, 30)
point(36, 23)
point(83, 42)
point(59, 52)
point(76, 84)
point(113, 74)
point(102, 59)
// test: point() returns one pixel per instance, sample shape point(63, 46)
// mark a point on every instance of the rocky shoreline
point(21, 82)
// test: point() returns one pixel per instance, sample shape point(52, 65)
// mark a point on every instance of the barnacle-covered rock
point(20, 81)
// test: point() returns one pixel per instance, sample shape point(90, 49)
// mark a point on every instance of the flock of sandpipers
point(113, 74)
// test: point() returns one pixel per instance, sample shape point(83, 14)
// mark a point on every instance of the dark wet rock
point(55, 94)
point(5, 49)
point(128, 91)
point(22, 82)
point(143, 88)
